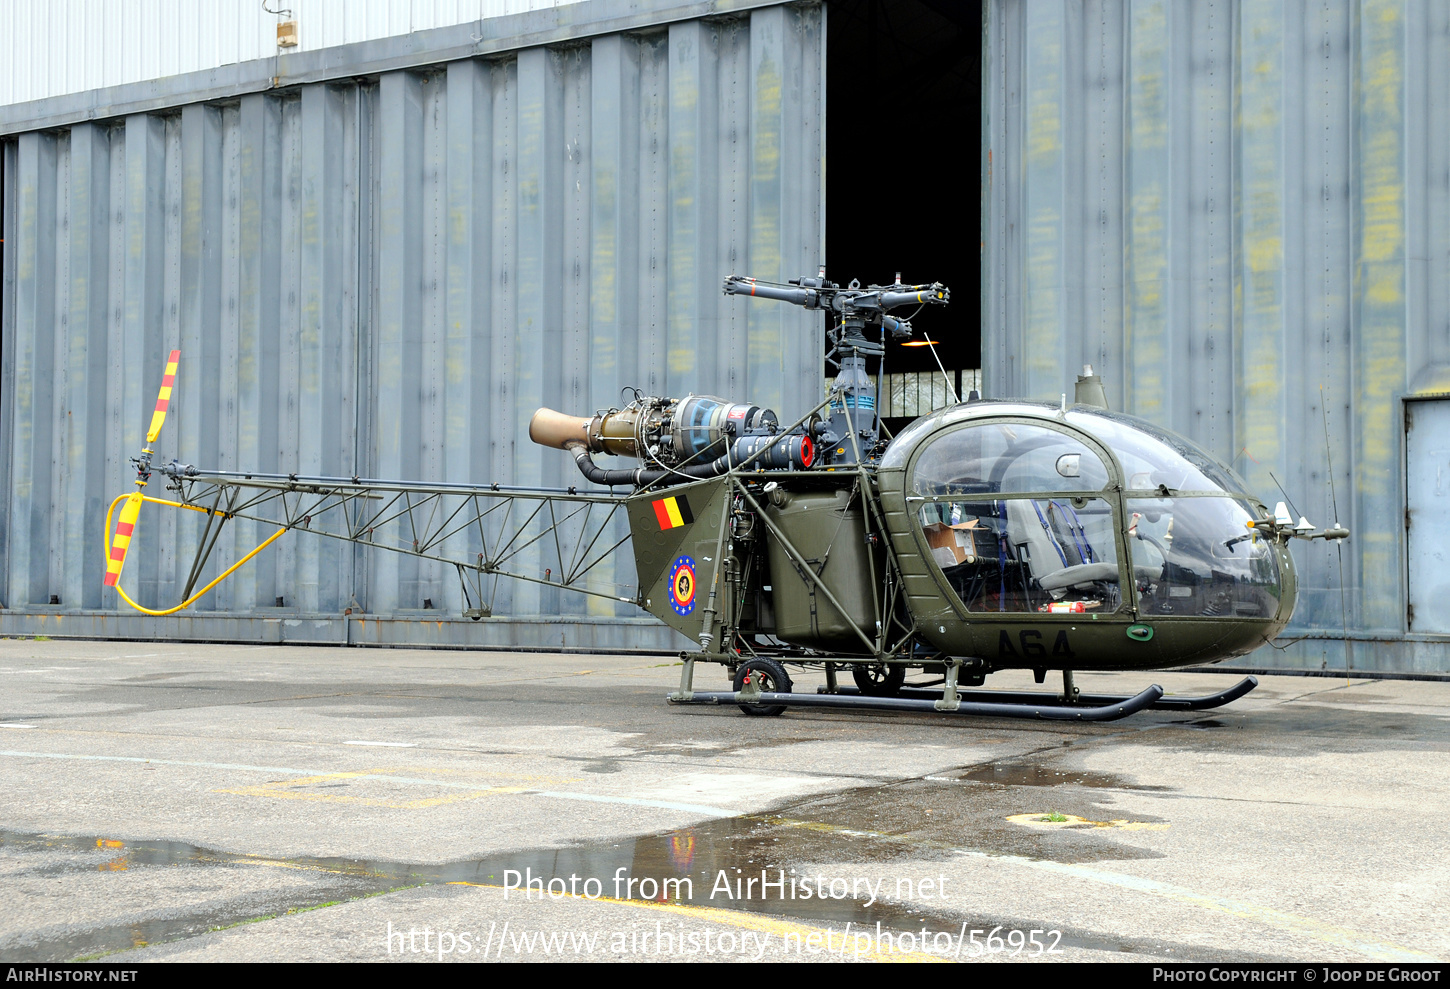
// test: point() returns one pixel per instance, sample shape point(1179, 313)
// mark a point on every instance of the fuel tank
point(828, 529)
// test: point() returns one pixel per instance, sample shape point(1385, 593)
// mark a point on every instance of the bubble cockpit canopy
point(1031, 509)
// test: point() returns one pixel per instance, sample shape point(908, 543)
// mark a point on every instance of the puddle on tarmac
point(695, 857)
point(51, 856)
point(1027, 774)
point(918, 820)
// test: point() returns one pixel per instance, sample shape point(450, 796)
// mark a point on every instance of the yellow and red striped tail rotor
point(125, 534)
point(124, 530)
point(131, 511)
point(164, 399)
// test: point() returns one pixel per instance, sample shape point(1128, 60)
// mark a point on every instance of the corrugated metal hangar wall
point(385, 276)
point(1240, 213)
point(72, 46)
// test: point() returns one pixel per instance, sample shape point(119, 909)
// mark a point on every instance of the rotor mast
point(857, 315)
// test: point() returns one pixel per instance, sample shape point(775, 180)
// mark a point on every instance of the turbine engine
point(698, 436)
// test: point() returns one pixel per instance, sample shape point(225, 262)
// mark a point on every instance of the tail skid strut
point(129, 528)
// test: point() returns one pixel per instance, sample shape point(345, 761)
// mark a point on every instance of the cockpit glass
point(1153, 457)
point(1047, 555)
point(905, 441)
point(1197, 557)
point(1006, 457)
point(1008, 513)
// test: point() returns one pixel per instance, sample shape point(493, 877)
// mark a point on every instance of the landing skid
point(1045, 707)
point(1086, 700)
point(983, 703)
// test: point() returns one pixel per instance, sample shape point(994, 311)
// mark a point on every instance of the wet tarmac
point(744, 845)
point(304, 804)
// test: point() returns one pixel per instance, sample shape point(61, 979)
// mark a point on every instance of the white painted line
point(702, 809)
point(634, 802)
point(269, 770)
point(15, 725)
point(391, 745)
point(161, 762)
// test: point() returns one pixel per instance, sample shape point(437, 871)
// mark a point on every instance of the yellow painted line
point(791, 822)
point(290, 789)
point(1038, 819)
point(749, 922)
point(271, 863)
point(419, 804)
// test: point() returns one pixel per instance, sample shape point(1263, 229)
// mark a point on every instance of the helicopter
point(990, 535)
point(986, 536)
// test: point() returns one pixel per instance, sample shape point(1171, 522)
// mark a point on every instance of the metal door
point(1427, 520)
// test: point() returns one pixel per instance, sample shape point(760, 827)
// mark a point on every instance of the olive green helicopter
point(986, 536)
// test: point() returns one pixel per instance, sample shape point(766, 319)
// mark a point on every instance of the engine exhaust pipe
point(556, 430)
point(611, 432)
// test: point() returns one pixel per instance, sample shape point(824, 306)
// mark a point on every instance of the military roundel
point(682, 585)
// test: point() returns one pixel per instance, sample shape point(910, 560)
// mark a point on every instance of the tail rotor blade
point(125, 529)
point(131, 511)
point(164, 399)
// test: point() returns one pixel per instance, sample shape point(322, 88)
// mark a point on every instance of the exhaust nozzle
point(556, 430)
point(609, 432)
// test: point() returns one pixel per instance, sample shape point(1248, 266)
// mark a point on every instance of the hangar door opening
point(903, 179)
point(1427, 515)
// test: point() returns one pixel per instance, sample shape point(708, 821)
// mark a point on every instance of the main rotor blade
point(164, 399)
point(125, 529)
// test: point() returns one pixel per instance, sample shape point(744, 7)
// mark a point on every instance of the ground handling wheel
point(771, 677)
point(879, 680)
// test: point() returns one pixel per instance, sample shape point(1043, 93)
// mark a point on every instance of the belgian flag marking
point(673, 512)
